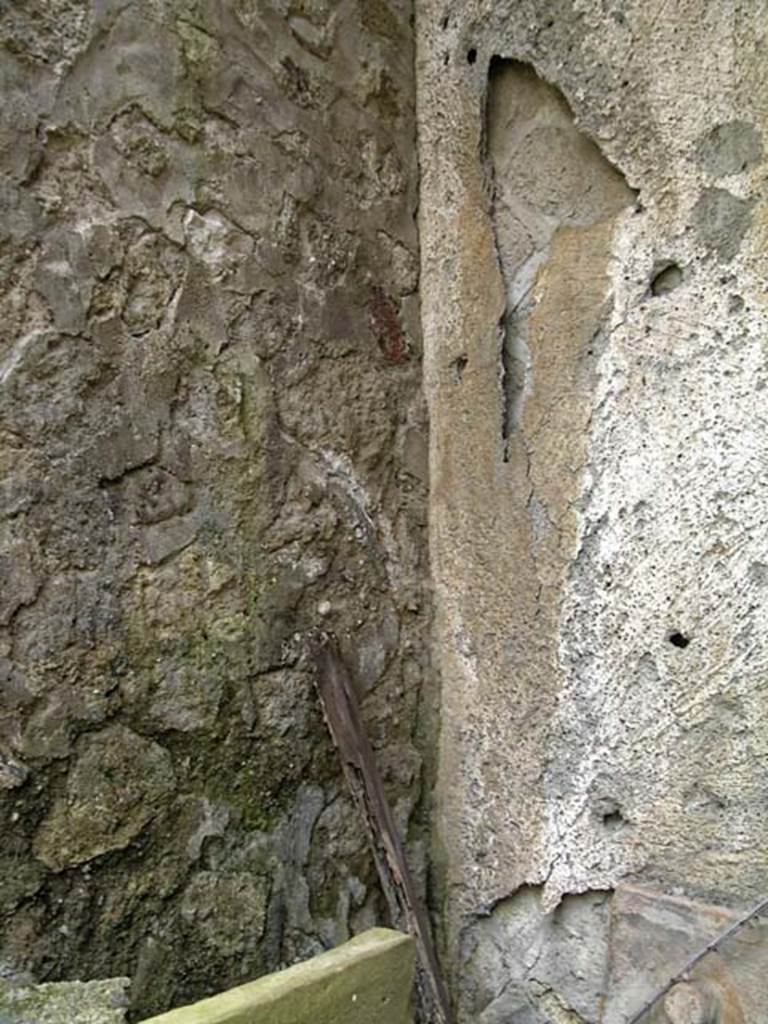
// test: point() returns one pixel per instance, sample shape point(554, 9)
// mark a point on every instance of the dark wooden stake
point(342, 714)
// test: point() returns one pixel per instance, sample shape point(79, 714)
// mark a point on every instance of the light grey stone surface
point(597, 472)
point(67, 1002)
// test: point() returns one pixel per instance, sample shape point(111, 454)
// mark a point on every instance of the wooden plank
point(342, 713)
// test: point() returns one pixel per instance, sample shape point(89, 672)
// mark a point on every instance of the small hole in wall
point(445, 22)
point(471, 55)
point(666, 278)
point(613, 820)
point(610, 814)
point(679, 640)
point(458, 366)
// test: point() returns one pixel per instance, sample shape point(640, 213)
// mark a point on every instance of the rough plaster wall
point(211, 438)
point(598, 539)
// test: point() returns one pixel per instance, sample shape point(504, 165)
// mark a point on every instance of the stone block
point(64, 1002)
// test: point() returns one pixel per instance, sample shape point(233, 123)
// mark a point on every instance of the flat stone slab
point(654, 934)
point(368, 980)
point(64, 1002)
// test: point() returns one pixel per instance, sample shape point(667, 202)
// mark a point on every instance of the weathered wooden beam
point(342, 713)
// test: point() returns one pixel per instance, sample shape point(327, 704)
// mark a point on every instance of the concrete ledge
point(368, 980)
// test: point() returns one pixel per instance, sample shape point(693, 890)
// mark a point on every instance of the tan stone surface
point(653, 935)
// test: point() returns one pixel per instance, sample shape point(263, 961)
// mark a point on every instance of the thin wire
point(709, 948)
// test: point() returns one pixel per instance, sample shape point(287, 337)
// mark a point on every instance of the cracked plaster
point(597, 562)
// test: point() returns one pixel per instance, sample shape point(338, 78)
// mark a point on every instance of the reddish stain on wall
point(385, 322)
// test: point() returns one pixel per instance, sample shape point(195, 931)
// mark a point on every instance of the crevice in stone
point(458, 366)
point(666, 277)
point(544, 175)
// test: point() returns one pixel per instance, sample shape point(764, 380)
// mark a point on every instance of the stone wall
point(211, 439)
point(593, 238)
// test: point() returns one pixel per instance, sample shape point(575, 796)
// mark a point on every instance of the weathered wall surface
point(593, 238)
point(211, 438)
